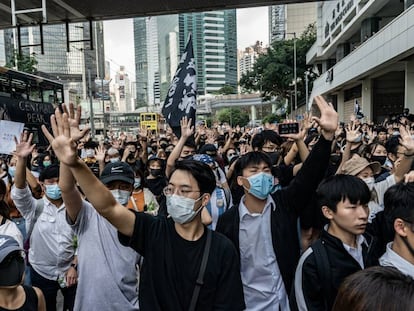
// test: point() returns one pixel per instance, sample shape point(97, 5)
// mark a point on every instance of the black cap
point(117, 171)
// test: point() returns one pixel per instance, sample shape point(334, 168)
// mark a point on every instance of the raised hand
point(24, 147)
point(63, 145)
point(406, 140)
point(186, 129)
point(100, 153)
point(328, 120)
point(353, 134)
point(74, 121)
point(143, 132)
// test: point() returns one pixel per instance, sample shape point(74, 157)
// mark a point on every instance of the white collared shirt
point(356, 253)
point(51, 243)
point(392, 259)
point(262, 282)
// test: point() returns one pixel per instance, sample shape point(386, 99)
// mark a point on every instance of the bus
point(29, 99)
point(152, 121)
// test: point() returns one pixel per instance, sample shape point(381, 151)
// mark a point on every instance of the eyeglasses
point(231, 154)
point(170, 190)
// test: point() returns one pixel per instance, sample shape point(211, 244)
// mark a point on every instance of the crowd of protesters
point(219, 218)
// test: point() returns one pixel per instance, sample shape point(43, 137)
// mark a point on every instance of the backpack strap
point(200, 278)
point(324, 270)
point(38, 210)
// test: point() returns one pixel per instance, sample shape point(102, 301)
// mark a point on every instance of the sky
point(252, 25)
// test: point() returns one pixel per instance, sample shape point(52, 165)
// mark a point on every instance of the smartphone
point(289, 128)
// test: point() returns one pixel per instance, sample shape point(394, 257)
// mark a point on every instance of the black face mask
point(12, 270)
point(131, 156)
point(163, 146)
point(274, 156)
point(380, 159)
point(155, 172)
point(335, 158)
point(154, 148)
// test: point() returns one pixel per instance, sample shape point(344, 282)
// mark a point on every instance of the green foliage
point(233, 116)
point(226, 90)
point(271, 118)
point(25, 63)
point(273, 72)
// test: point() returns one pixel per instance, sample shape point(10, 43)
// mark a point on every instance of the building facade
point(287, 19)
point(70, 68)
point(215, 47)
point(147, 67)
point(365, 53)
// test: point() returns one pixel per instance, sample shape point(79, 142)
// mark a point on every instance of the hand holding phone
point(288, 128)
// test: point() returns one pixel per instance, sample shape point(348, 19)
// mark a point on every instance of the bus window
point(35, 94)
point(49, 96)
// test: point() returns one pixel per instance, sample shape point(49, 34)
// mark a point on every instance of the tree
point(273, 73)
point(233, 116)
point(226, 90)
point(25, 63)
point(271, 118)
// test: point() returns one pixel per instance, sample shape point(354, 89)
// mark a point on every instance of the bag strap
point(200, 278)
point(324, 270)
point(3, 221)
point(38, 210)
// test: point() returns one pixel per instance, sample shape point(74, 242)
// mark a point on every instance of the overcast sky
point(252, 25)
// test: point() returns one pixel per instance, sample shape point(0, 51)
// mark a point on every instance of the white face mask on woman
point(121, 196)
point(370, 181)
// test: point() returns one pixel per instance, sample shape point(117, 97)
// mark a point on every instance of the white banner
point(9, 130)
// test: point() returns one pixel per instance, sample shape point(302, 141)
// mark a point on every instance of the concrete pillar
point(367, 99)
point(409, 86)
point(341, 109)
point(253, 114)
point(273, 108)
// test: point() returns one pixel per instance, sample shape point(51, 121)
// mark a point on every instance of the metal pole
point(92, 121)
point(294, 69)
point(307, 90)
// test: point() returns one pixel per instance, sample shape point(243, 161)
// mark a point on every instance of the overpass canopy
point(61, 11)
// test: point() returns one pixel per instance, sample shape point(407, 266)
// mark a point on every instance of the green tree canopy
point(25, 63)
point(271, 118)
point(233, 116)
point(273, 72)
point(226, 90)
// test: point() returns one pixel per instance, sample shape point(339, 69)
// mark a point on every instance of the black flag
point(181, 97)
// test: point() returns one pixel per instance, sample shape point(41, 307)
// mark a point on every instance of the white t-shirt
point(11, 229)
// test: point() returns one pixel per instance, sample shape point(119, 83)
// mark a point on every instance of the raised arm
point(186, 131)
point(99, 196)
point(24, 148)
point(67, 184)
point(405, 164)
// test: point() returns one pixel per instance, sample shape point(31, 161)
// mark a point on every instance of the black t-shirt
point(172, 264)
point(156, 185)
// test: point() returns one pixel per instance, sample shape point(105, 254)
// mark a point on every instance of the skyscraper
point(70, 68)
point(147, 62)
point(215, 47)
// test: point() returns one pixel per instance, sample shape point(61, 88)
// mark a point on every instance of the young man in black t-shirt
point(172, 247)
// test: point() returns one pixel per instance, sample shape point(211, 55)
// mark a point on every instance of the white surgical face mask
point(181, 209)
point(114, 160)
point(121, 196)
point(370, 181)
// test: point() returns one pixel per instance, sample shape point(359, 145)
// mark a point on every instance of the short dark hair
point(392, 145)
point(251, 158)
point(267, 135)
point(52, 171)
point(190, 142)
point(201, 172)
point(338, 188)
point(398, 201)
point(376, 288)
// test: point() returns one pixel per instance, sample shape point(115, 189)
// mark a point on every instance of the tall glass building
point(147, 70)
point(70, 68)
point(215, 47)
